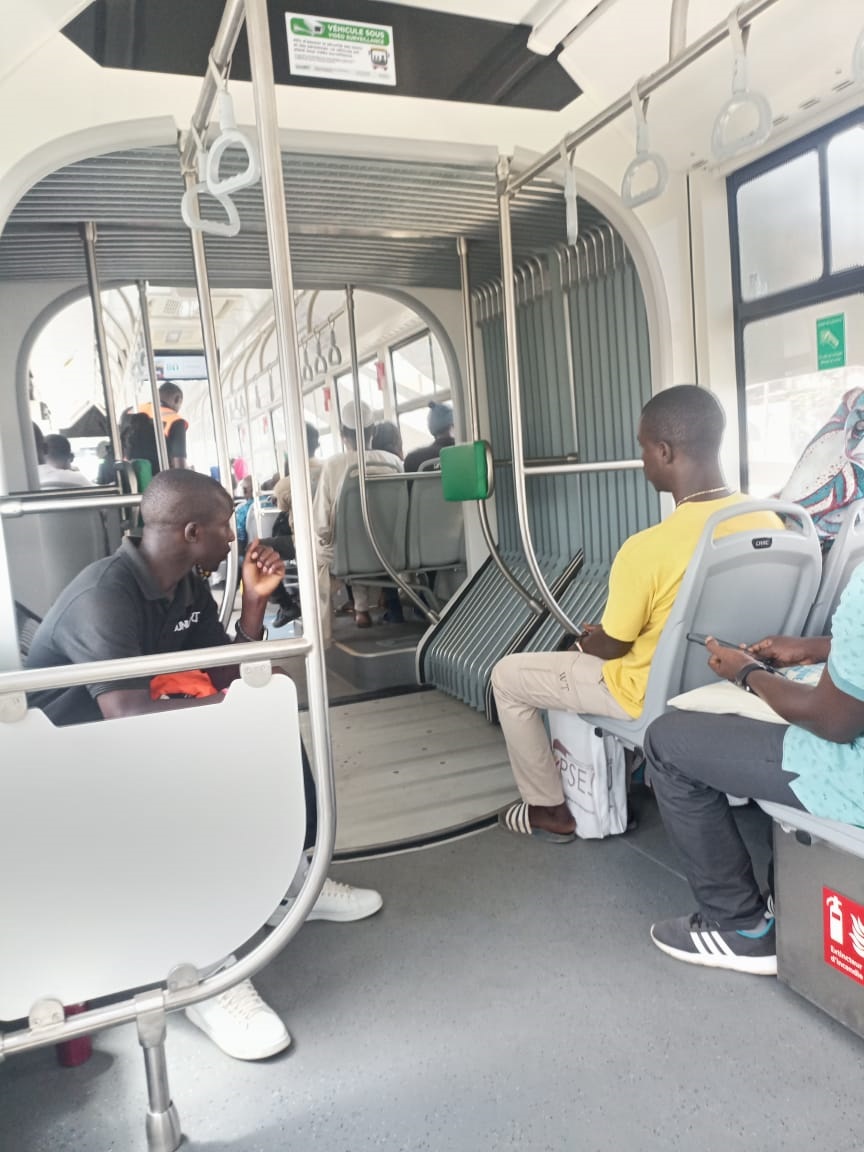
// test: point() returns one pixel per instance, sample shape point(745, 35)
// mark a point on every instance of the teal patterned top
point(831, 776)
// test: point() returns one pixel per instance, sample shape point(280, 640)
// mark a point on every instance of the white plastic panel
point(130, 846)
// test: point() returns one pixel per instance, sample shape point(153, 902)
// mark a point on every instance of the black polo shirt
point(112, 610)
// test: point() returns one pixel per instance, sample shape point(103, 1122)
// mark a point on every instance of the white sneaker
point(240, 1023)
point(342, 902)
point(336, 901)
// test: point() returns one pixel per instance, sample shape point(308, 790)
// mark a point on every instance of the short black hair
point(180, 496)
point(313, 438)
point(170, 391)
point(387, 438)
point(57, 447)
point(687, 418)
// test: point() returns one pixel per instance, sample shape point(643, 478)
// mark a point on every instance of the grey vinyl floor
point(507, 997)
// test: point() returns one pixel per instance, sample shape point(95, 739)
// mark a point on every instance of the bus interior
point(538, 215)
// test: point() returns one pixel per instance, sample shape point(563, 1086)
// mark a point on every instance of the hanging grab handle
point(320, 362)
point(307, 373)
point(645, 159)
point(333, 353)
point(190, 210)
point(571, 194)
point(230, 136)
point(723, 145)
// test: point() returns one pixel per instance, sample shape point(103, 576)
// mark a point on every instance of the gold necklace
point(703, 492)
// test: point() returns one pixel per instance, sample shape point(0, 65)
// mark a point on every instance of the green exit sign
point(831, 341)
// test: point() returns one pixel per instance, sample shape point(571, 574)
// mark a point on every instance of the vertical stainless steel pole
point(510, 338)
point(88, 235)
point(161, 444)
point(211, 355)
point(273, 187)
point(474, 423)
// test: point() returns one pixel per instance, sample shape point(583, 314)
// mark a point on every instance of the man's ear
point(665, 451)
point(192, 532)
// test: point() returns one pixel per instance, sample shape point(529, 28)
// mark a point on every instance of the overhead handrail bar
point(723, 147)
point(471, 404)
point(89, 238)
point(644, 159)
point(747, 13)
point(401, 584)
point(514, 392)
point(158, 426)
point(580, 468)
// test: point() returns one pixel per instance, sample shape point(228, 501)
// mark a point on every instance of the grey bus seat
point(354, 558)
point(844, 556)
point(64, 542)
point(847, 837)
point(739, 587)
point(268, 519)
point(147, 842)
point(819, 891)
point(436, 527)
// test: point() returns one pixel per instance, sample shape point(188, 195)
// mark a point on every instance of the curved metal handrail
point(401, 584)
point(471, 403)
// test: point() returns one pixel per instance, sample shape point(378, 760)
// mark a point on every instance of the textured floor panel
point(408, 767)
point(507, 997)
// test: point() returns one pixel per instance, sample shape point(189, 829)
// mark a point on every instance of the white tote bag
point(593, 775)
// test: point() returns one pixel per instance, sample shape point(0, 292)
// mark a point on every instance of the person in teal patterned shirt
point(813, 762)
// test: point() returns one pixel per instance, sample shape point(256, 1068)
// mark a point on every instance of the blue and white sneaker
point(696, 940)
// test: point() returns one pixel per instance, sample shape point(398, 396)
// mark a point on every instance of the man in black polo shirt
point(148, 598)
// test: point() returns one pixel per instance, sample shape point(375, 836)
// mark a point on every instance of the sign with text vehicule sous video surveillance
point(340, 50)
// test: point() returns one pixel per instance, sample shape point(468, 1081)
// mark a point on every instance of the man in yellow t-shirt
point(606, 674)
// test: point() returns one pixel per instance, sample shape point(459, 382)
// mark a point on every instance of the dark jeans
point(694, 760)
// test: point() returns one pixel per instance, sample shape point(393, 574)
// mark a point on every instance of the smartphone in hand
point(700, 638)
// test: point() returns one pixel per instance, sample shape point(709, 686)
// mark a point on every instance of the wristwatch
point(747, 671)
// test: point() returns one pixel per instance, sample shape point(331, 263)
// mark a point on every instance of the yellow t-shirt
point(644, 581)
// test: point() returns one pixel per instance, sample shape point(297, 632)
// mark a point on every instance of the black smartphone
point(699, 638)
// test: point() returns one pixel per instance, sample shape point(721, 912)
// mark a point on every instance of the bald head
point(687, 418)
point(179, 497)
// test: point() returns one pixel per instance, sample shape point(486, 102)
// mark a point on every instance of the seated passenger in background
point(814, 761)
point(241, 515)
point(57, 471)
point(282, 488)
point(107, 473)
point(388, 438)
point(829, 475)
point(440, 425)
point(138, 431)
point(333, 473)
point(148, 598)
point(680, 432)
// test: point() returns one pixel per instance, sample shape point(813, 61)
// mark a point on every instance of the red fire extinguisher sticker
point(843, 934)
point(381, 373)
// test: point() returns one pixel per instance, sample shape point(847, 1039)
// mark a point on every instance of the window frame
point(823, 290)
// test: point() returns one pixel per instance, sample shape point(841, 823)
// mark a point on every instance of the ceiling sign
point(340, 50)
